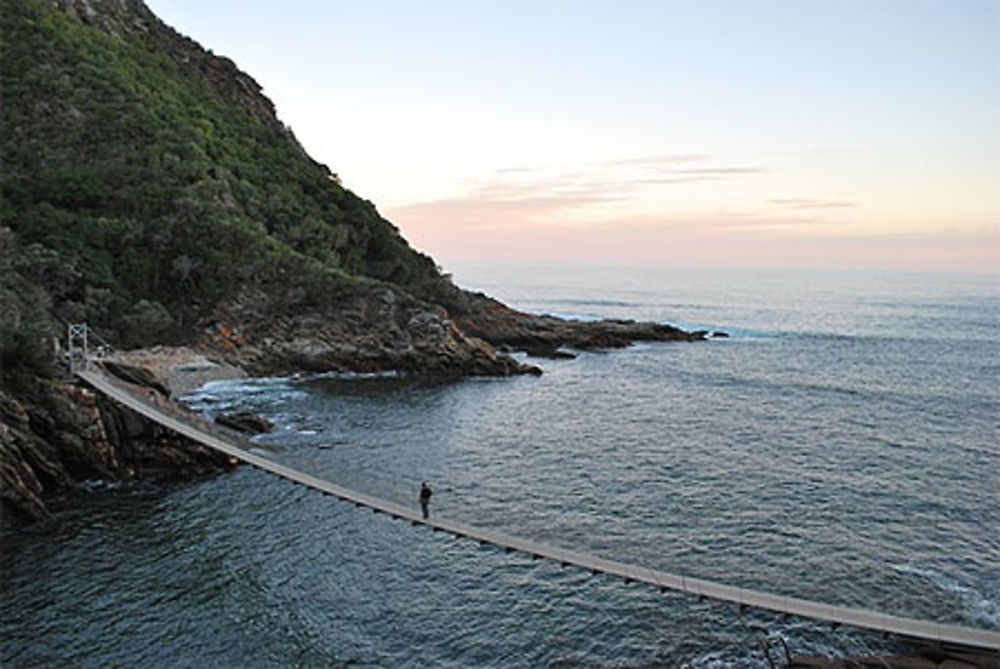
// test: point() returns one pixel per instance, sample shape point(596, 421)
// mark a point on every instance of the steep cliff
point(54, 438)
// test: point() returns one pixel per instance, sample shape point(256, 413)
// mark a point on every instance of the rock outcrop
point(171, 371)
point(54, 438)
point(245, 421)
point(371, 330)
point(545, 336)
point(381, 328)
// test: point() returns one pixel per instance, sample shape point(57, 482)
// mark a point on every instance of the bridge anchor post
point(76, 340)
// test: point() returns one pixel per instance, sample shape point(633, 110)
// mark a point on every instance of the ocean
point(842, 445)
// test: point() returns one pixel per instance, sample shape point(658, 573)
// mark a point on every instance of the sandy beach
point(180, 369)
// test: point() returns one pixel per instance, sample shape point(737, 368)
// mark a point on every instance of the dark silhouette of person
point(425, 498)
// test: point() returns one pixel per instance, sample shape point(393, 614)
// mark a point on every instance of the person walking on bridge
point(425, 498)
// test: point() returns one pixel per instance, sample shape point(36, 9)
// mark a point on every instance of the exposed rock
point(28, 467)
point(372, 330)
point(169, 370)
point(498, 324)
point(245, 421)
point(141, 376)
point(381, 329)
point(51, 439)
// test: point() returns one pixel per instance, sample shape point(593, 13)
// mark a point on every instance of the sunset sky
point(842, 134)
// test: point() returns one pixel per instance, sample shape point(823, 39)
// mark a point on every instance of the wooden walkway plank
point(838, 615)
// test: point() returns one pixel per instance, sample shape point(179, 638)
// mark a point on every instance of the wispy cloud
point(809, 203)
point(661, 160)
point(519, 196)
point(721, 171)
point(675, 164)
point(680, 179)
point(515, 170)
point(721, 239)
point(727, 221)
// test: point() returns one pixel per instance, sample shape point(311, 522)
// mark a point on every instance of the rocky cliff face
point(372, 329)
point(54, 438)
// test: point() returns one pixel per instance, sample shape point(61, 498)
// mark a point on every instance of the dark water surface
point(842, 446)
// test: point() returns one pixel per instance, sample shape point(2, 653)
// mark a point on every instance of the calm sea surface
point(841, 446)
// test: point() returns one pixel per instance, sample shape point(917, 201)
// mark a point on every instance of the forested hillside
point(146, 181)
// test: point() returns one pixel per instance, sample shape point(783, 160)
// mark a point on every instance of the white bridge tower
point(78, 347)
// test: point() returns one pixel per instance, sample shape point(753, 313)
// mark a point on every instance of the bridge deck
point(909, 627)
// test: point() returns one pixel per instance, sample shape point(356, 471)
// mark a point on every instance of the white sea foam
point(387, 374)
point(980, 607)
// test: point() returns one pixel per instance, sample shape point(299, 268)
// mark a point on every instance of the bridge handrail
point(838, 615)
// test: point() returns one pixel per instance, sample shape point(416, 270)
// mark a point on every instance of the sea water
point(840, 446)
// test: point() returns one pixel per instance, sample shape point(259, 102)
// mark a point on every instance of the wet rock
point(548, 351)
point(245, 421)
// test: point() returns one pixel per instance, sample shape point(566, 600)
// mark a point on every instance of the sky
point(828, 134)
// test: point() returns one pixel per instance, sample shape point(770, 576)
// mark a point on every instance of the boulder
point(245, 421)
point(139, 375)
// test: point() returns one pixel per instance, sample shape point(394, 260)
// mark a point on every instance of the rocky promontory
point(545, 336)
point(382, 329)
point(374, 328)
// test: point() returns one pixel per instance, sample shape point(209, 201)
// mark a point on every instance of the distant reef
point(150, 190)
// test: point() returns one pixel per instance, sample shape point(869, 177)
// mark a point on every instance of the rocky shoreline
point(171, 370)
point(382, 329)
point(54, 440)
point(546, 336)
point(56, 435)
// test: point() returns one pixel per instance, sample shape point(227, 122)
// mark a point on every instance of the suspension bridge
point(187, 425)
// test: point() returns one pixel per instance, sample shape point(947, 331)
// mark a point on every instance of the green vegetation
point(144, 181)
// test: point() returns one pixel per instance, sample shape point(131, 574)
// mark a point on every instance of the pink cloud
point(510, 218)
point(518, 197)
point(658, 161)
point(809, 203)
point(506, 234)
